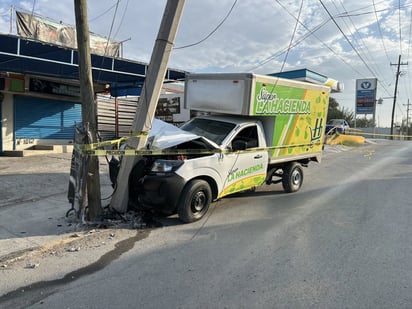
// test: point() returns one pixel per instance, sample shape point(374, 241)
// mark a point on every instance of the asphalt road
point(343, 241)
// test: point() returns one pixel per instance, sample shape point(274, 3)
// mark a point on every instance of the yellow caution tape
point(359, 132)
point(117, 142)
point(356, 131)
point(87, 150)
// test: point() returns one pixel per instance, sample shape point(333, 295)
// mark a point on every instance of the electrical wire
point(361, 43)
point(293, 36)
point(296, 43)
point(357, 38)
point(34, 5)
point(32, 12)
point(375, 11)
point(409, 92)
point(400, 28)
point(104, 13)
point(213, 31)
point(108, 38)
point(380, 30)
point(122, 19)
point(111, 27)
point(352, 13)
point(310, 32)
point(347, 39)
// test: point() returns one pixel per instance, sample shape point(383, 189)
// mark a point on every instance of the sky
point(345, 40)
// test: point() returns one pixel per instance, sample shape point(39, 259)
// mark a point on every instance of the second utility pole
point(396, 90)
point(88, 107)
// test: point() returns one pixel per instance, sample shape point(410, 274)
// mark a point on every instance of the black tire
point(194, 201)
point(292, 178)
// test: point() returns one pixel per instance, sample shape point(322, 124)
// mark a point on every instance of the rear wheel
point(292, 178)
point(195, 201)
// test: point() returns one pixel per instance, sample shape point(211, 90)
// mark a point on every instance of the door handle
point(258, 157)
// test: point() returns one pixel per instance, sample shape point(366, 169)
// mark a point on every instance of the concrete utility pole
point(407, 117)
point(149, 97)
point(396, 90)
point(88, 106)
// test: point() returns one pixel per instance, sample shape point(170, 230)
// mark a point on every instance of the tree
point(364, 123)
point(334, 112)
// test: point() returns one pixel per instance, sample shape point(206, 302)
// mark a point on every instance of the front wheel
point(194, 201)
point(292, 177)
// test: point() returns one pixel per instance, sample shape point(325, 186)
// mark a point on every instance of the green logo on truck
point(235, 174)
point(269, 103)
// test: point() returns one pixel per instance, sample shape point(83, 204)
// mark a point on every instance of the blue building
point(40, 95)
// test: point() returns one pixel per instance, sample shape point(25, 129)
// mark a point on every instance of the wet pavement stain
point(34, 293)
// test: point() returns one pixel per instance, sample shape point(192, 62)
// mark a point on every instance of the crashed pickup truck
point(255, 130)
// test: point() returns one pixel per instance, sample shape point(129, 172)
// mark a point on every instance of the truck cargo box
point(293, 113)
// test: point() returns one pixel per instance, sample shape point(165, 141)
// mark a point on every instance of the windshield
point(214, 130)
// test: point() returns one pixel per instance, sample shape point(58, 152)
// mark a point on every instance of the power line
point(368, 53)
point(213, 31)
point(353, 47)
point(297, 42)
point(104, 13)
point(291, 39)
point(380, 30)
point(111, 27)
point(400, 28)
point(122, 19)
point(361, 43)
point(347, 39)
point(34, 5)
point(380, 34)
point(352, 13)
point(110, 33)
point(408, 55)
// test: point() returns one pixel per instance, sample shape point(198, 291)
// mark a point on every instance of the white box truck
point(257, 130)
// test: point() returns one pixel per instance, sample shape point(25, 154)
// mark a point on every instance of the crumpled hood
point(164, 135)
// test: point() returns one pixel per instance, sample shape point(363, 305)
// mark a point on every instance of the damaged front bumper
point(161, 192)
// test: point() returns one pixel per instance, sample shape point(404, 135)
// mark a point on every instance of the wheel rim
point(296, 178)
point(198, 202)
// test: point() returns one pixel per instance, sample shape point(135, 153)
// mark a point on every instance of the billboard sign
point(365, 95)
point(45, 30)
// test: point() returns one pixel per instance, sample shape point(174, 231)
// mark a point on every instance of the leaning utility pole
point(150, 95)
point(396, 90)
point(89, 120)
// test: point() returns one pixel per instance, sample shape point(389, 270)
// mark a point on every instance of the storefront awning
point(19, 55)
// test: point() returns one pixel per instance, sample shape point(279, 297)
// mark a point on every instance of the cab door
point(245, 168)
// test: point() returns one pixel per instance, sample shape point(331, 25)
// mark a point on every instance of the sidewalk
point(33, 225)
point(33, 201)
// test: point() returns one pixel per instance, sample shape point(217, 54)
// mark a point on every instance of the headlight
point(165, 166)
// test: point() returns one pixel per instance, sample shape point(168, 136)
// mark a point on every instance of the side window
point(248, 136)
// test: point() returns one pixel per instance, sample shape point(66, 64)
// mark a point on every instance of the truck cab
point(228, 155)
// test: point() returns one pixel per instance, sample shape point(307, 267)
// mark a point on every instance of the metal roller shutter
point(114, 122)
point(45, 119)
